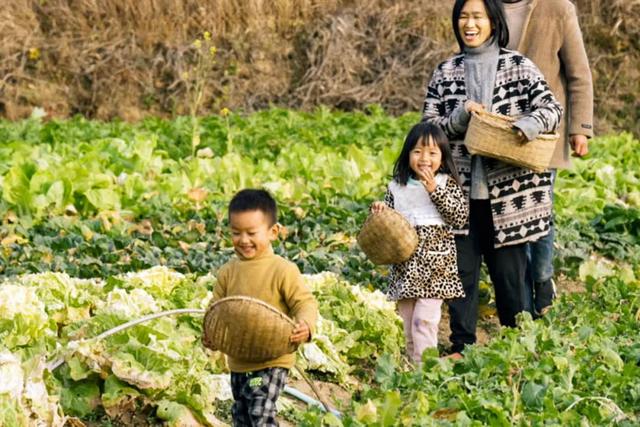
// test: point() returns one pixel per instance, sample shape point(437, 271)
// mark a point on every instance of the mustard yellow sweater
point(275, 281)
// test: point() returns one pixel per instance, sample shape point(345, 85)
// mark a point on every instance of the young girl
point(426, 192)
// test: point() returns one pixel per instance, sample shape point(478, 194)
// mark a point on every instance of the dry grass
point(124, 58)
point(612, 36)
point(375, 52)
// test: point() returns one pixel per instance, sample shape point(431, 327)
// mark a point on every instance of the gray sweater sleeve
point(529, 126)
point(460, 119)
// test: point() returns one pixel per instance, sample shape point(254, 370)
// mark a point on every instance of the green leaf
point(81, 398)
point(533, 395)
point(390, 408)
point(385, 370)
point(116, 392)
point(103, 199)
point(78, 370)
point(175, 414)
point(611, 358)
point(16, 188)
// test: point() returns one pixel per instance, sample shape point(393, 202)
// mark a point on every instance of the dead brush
point(124, 58)
point(375, 53)
point(612, 38)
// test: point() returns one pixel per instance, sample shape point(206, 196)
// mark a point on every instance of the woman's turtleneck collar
point(488, 49)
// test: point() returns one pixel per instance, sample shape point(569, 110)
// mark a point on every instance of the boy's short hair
point(251, 199)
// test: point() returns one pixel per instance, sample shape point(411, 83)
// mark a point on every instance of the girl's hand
point(301, 333)
point(473, 107)
point(377, 207)
point(428, 179)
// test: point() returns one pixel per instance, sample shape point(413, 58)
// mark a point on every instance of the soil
point(332, 394)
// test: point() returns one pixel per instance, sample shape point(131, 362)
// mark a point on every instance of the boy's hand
point(377, 207)
point(301, 333)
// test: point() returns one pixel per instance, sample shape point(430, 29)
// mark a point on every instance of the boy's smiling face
point(251, 233)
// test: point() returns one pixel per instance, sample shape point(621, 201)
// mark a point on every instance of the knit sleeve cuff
point(529, 126)
point(460, 119)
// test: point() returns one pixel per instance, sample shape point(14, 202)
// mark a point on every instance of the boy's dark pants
point(255, 395)
point(507, 268)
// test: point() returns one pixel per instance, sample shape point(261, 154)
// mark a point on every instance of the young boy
point(257, 272)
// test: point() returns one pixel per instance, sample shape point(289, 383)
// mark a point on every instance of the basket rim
point(254, 300)
point(484, 114)
point(505, 122)
point(387, 210)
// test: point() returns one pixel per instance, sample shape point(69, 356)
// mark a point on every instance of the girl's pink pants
point(421, 318)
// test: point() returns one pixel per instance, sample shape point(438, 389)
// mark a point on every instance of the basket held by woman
point(387, 238)
point(492, 135)
point(247, 329)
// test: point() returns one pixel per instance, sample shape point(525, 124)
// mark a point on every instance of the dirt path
point(333, 394)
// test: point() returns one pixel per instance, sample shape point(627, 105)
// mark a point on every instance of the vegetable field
point(104, 223)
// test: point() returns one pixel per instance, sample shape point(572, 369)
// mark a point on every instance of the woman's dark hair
point(420, 133)
point(251, 199)
point(495, 12)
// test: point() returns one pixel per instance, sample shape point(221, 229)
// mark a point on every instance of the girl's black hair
point(421, 132)
point(495, 12)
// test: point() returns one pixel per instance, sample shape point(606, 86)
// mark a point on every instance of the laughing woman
point(509, 205)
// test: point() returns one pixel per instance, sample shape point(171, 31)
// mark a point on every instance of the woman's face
point(474, 24)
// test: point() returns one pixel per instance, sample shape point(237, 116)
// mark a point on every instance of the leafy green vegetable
point(115, 219)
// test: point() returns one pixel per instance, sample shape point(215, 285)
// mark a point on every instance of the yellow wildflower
point(207, 35)
point(34, 53)
point(224, 112)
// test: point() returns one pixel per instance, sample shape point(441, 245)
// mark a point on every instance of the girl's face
point(474, 24)
point(425, 156)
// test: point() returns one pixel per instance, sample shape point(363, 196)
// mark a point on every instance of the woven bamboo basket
point(387, 238)
point(247, 329)
point(492, 135)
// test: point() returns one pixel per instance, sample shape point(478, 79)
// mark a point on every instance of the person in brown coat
point(548, 33)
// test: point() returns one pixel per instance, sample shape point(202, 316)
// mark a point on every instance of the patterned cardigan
point(520, 198)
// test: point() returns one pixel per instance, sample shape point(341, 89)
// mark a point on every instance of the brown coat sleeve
point(578, 76)
point(220, 290)
point(298, 298)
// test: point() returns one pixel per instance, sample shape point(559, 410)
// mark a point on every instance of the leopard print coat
point(432, 270)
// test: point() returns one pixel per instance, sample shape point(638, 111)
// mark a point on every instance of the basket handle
point(505, 122)
point(499, 120)
point(254, 300)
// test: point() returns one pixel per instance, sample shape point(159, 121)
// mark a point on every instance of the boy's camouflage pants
point(255, 395)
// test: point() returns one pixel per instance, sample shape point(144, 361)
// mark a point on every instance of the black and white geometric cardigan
point(520, 198)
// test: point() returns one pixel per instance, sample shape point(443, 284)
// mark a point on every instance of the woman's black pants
point(507, 268)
